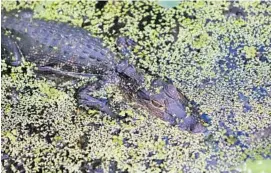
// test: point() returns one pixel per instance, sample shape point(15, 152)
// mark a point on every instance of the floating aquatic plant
point(220, 60)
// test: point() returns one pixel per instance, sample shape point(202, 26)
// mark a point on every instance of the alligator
point(64, 49)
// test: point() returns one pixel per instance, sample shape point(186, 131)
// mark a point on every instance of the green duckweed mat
point(217, 52)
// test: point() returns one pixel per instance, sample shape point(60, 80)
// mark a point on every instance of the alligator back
point(49, 43)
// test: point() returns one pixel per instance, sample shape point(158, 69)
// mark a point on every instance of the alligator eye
point(157, 103)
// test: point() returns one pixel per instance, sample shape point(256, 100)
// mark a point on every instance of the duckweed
point(210, 53)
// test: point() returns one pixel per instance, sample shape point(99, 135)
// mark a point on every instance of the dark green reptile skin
point(54, 43)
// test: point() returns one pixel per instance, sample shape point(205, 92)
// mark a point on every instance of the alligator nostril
point(198, 128)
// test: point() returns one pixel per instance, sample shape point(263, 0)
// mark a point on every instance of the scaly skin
point(50, 43)
point(67, 50)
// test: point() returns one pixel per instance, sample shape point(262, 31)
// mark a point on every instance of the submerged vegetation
point(218, 54)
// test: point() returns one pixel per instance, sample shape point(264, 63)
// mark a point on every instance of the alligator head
point(170, 105)
point(162, 99)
